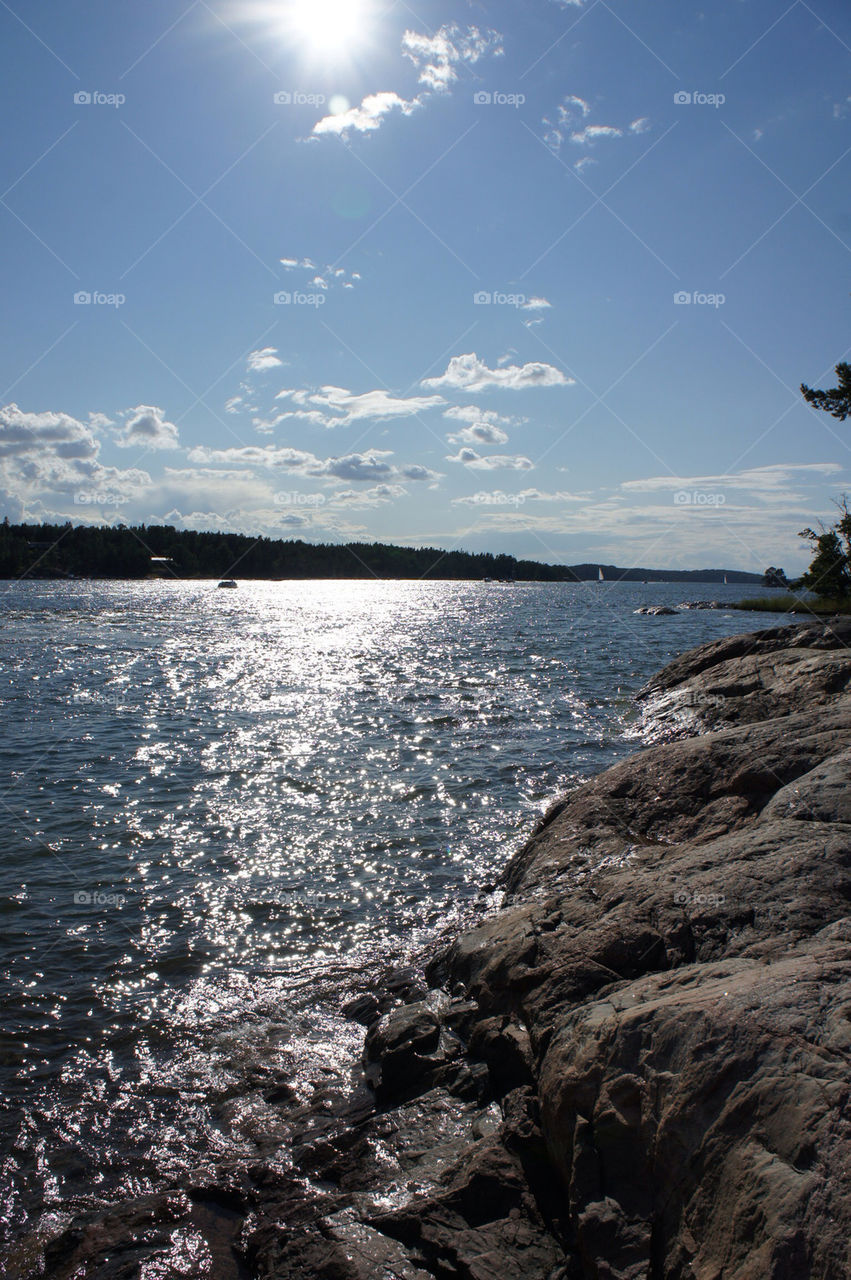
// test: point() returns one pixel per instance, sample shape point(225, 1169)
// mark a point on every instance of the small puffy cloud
point(569, 111)
point(594, 133)
point(145, 427)
point(482, 426)
point(416, 471)
point(535, 308)
point(326, 277)
point(365, 118)
point(570, 120)
point(472, 413)
point(470, 458)
point(478, 433)
point(841, 109)
point(469, 373)
point(360, 499)
point(265, 358)
point(438, 57)
point(371, 465)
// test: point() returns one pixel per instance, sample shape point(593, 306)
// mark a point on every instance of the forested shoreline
point(143, 551)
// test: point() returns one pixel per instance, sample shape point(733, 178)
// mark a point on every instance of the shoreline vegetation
point(161, 551)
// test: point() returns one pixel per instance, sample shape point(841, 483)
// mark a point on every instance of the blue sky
point(541, 278)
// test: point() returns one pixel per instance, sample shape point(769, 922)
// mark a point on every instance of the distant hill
point(90, 551)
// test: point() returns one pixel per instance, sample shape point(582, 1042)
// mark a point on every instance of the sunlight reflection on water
point(221, 804)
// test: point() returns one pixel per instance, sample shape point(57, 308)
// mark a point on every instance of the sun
point(326, 27)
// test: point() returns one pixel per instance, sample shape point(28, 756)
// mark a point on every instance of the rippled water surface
point(217, 806)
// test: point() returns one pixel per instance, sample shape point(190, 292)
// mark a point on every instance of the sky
point(541, 278)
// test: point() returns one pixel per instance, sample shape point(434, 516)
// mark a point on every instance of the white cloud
point(497, 497)
point(24, 432)
point(327, 276)
point(331, 406)
point(536, 304)
point(569, 123)
point(437, 57)
point(472, 413)
point(770, 483)
point(478, 433)
point(265, 358)
point(365, 118)
point(360, 499)
point(594, 133)
point(145, 427)
point(372, 464)
point(497, 461)
point(49, 458)
point(469, 373)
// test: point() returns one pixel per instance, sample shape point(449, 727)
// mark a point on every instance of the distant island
point(145, 551)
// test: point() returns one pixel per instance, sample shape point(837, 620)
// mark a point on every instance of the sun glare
point(330, 27)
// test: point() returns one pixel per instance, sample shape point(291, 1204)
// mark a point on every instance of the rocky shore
point(637, 1066)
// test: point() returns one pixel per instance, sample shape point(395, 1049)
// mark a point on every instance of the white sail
point(600, 575)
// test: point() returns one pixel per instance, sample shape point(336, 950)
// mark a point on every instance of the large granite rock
point(636, 1068)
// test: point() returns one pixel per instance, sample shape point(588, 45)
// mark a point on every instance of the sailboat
point(725, 580)
point(600, 577)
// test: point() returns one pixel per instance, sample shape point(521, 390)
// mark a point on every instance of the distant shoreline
point(133, 553)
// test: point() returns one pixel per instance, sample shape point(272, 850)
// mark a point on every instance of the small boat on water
point(600, 577)
point(227, 582)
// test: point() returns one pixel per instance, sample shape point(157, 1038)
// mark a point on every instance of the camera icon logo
point(482, 298)
point(482, 98)
point(282, 298)
point(683, 298)
point(82, 897)
point(282, 98)
point(682, 498)
point(82, 298)
point(682, 99)
point(82, 98)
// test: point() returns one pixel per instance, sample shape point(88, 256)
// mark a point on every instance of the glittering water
point(216, 806)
